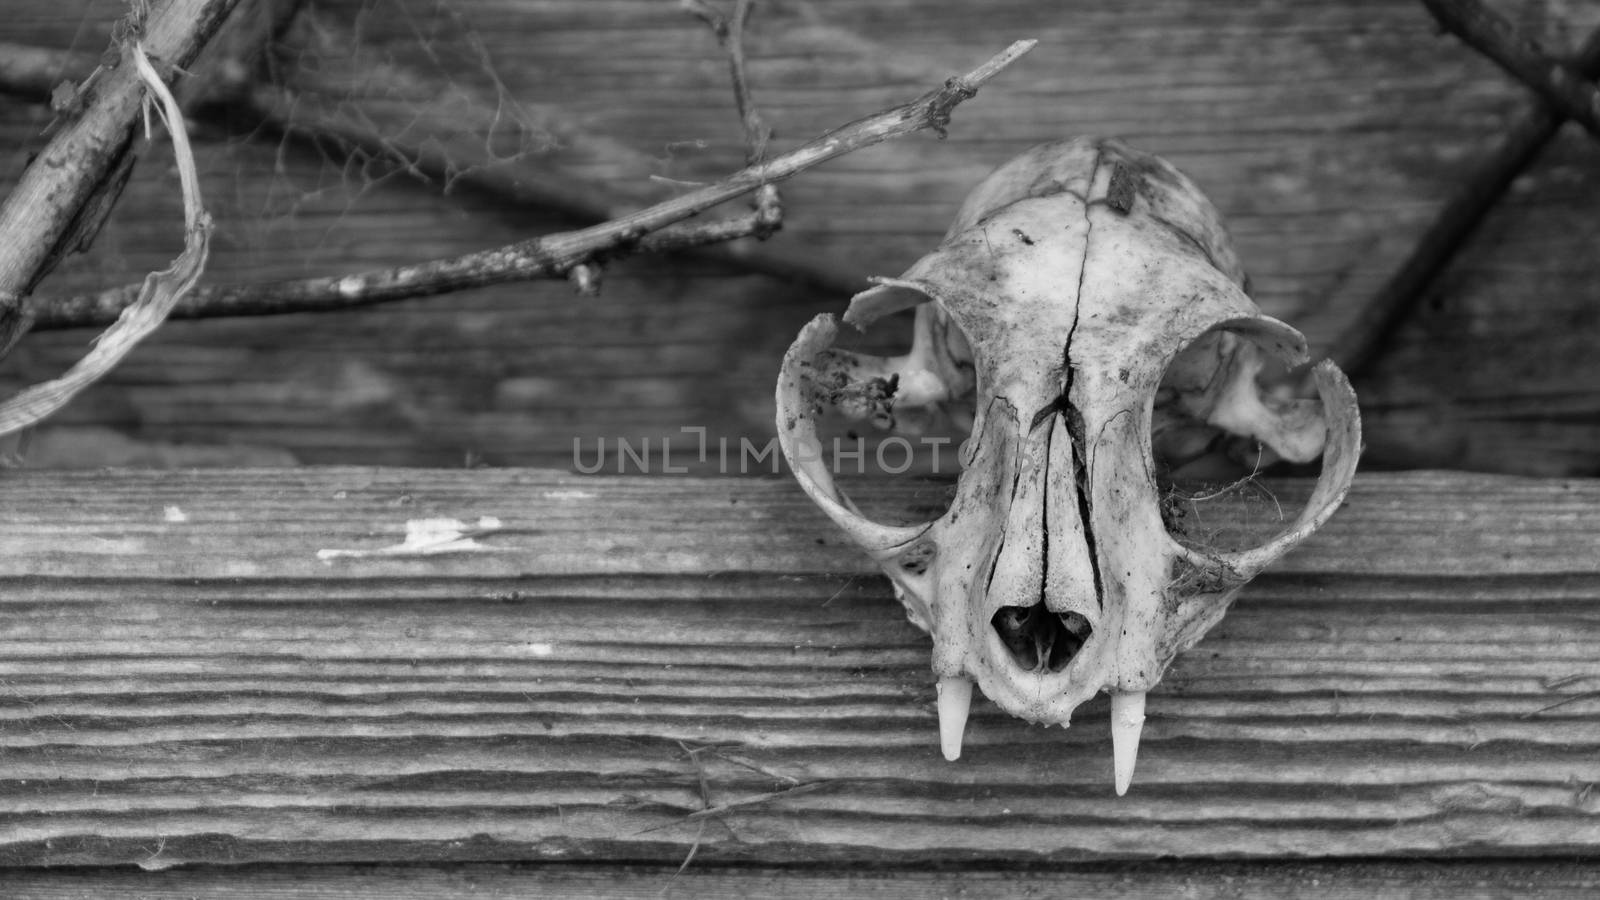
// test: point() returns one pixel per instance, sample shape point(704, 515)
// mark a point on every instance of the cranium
point(1085, 314)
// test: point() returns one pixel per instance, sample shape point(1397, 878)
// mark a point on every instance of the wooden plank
point(184, 679)
point(1397, 880)
point(1326, 133)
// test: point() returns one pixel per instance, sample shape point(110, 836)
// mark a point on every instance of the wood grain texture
point(1427, 880)
point(1327, 134)
point(625, 653)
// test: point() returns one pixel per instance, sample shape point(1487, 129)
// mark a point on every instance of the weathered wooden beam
point(185, 677)
point(1388, 879)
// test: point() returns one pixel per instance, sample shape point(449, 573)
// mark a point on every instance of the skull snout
point(1043, 588)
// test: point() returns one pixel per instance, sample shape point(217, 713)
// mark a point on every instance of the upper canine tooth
point(1127, 722)
point(955, 699)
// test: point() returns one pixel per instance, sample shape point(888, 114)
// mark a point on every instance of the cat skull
point(1085, 307)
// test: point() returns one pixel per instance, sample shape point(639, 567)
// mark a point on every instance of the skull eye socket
point(1225, 430)
point(1038, 639)
point(893, 401)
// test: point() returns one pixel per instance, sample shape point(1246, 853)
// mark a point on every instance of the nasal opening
point(1038, 639)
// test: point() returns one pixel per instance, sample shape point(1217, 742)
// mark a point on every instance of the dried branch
point(42, 218)
point(160, 291)
point(292, 111)
point(40, 210)
point(654, 228)
point(1491, 34)
point(1357, 346)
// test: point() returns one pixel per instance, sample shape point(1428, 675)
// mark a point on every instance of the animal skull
point(1085, 314)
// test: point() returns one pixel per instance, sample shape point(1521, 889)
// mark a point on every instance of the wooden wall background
point(1328, 133)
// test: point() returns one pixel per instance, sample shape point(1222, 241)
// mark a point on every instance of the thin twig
point(730, 33)
point(1255, 472)
point(1358, 345)
point(721, 753)
point(842, 588)
point(757, 800)
point(757, 135)
point(705, 803)
point(694, 848)
point(1491, 34)
point(370, 288)
point(700, 770)
point(1575, 698)
point(555, 255)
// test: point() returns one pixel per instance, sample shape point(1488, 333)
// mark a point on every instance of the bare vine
point(658, 228)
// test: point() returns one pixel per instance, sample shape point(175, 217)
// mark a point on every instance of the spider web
point(357, 97)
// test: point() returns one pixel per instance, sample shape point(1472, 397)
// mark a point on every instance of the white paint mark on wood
point(428, 537)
